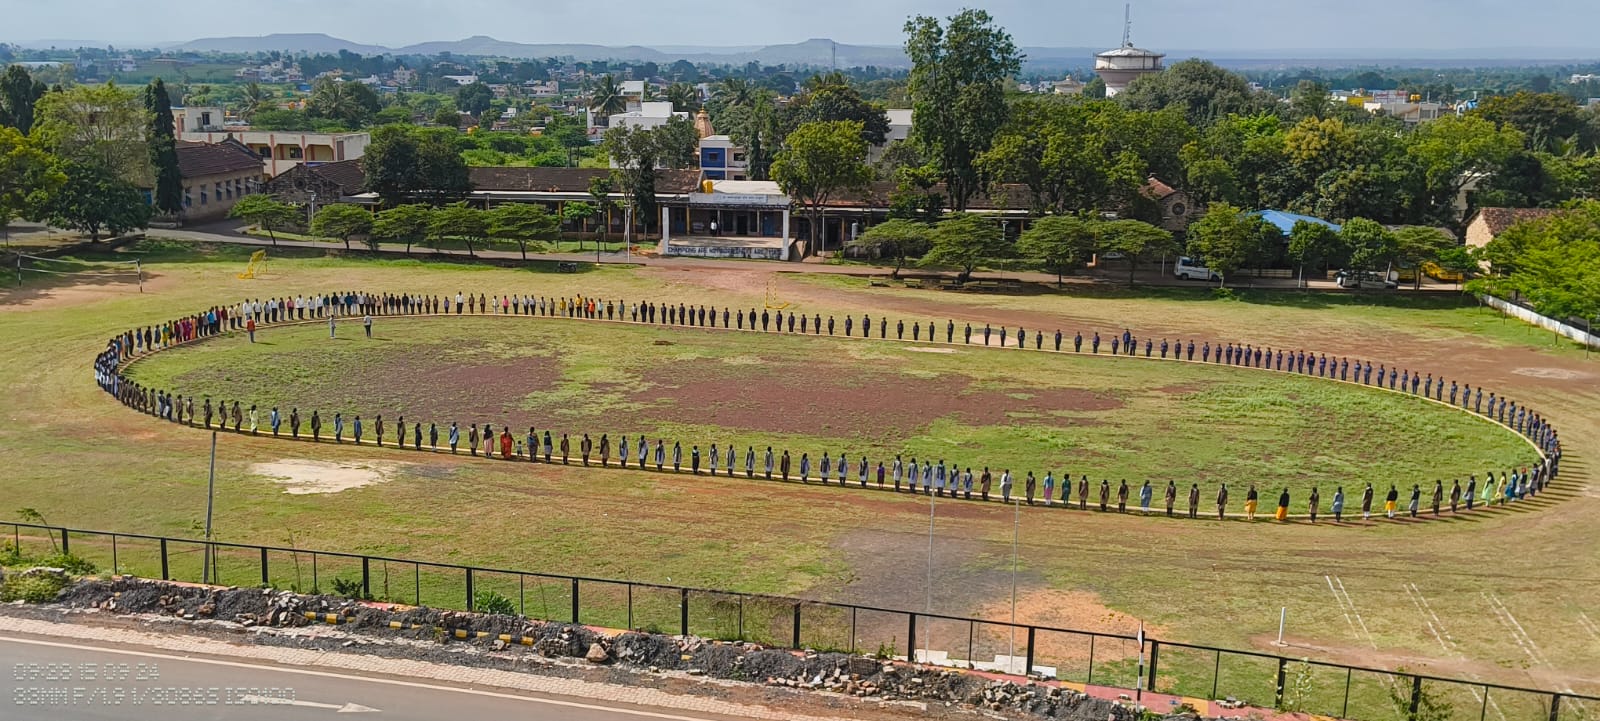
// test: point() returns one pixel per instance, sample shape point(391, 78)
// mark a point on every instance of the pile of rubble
point(856, 676)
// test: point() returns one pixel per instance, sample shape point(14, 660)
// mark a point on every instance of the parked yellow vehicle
point(1435, 272)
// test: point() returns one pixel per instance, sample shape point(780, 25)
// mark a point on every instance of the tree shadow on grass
point(158, 250)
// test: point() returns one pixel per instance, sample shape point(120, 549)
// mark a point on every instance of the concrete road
point(55, 680)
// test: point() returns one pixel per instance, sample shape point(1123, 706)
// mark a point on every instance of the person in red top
point(505, 444)
point(250, 325)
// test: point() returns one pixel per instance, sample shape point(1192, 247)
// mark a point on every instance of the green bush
point(10, 556)
point(41, 588)
point(491, 602)
point(71, 564)
point(350, 588)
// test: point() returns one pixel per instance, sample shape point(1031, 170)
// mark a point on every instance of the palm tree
point(330, 99)
point(684, 97)
point(821, 80)
point(607, 98)
point(252, 100)
point(738, 91)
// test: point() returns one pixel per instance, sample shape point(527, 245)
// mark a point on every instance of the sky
point(1186, 24)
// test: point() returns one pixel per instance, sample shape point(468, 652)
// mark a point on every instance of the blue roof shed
point(1285, 220)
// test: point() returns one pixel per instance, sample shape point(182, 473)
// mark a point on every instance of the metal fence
point(1074, 656)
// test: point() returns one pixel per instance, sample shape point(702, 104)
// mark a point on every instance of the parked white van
point(1191, 269)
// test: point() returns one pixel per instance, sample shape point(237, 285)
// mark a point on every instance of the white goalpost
point(113, 269)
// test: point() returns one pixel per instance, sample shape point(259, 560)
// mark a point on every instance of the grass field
point(1502, 596)
point(1109, 418)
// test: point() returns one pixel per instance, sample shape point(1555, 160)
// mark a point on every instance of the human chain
point(905, 475)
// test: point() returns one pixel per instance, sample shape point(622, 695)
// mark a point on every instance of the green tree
point(1225, 238)
point(607, 98)
point(405, 164)
point(349, 103)
point(93, 199)
point(457, 221)
point(1415, 245)
point(579, 212)
point(100, 126)
point(1311, 243)
point(253, 99)
point(897, 238)
point(600, 189)
point(1204, 91)
point(962, 241)
point(684, 98)
point(266, 213)
point(1058, 242)
point(1453, 150)
point(1371, 245)
point(1545, 120)
point(820, 161)
point(168, 190)
point(29, 177)
point(1135, 240)
point(403, 223)
point(523, 223)
point(957, 87)
point(1310, 99)
point(474, 98)
point(343, 221)
point(19, 93)
point(836, 100)
point(737, 91)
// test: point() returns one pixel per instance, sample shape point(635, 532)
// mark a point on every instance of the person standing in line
point(433, 436)
point(488, 438)
point(1194, 499)
point(1282, 513)
point(784, 464)
point(694, 460)
point(274, 420)
point(250, 327)
point(472, 438)
point(966, 482)
point(505, 443)
point(1316, 502)
point(826, 466)
point(1083, 492)
point(254, 429)
point(1472, 489)
point(842, 468)
point(1145, 494)
point(984, 482)
point(1438, 495)
point(1028, 487)
point(1049, 488)
point(716, 459)
point(316, 426)
point(1105, 493)
point(1077, 342)
point(355, 427)
point(377, 429)
point(864, 470)
point(1366, 503)
point(677, 457)
point(750, 462)
point(605, 450)
point(1005, 486)
point(566, 449)
point(366, 322)
point(1416, 500)
point(880, 474)
point(1455, 495)
point(333, 331)
point(1391, 501)
point(454, 437)
point(768, 463)
point(585, 446)
point(1170, 496)
point(1251, 498)
point(1222, 501)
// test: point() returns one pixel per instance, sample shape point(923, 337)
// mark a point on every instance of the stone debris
point(858, 676)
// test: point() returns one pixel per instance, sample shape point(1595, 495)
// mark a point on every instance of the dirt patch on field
point(858, 404)
point(915, 349)
point(1562, 374)
point(300, 476)
point(1078, 610)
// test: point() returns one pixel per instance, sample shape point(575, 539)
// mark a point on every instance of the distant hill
point(286, 42)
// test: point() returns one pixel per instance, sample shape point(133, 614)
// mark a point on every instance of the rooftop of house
point(1499, 219)
point(1154, 189)
point(347, 174)
point(1285, 220)
point(199, 160)
point(567, 180)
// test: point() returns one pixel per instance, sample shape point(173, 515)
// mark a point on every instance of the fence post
point(65, 549)
point(469, 589)
point(1345, 710)
point(852, 630)
point(165, 575)
point(366, 578)
point(264, 576)
point(911, 640)
point(113, 555)
point(796, 643)
point(575, 603)
point(1155, 652)
point(1278, 695)
point(1416, 695)
point(1088, 679)
point(1027, 666)
point(1555, 707)
point(1216, 676)
point(683, 611)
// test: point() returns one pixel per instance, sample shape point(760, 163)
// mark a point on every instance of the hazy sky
point(1188, 24)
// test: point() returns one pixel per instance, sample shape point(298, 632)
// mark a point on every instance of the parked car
point(1434, 271)
point(1193, 269)
point(1364, 279)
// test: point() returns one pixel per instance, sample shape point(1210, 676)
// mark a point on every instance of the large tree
point(474, 98)
point(406, 164)
point(897, 238)
point(457, 221)
point(403, 224)
point(1371, 245)
point(1225, 238)
point(1312, 243)
point(1416, 245)
point(819, 161)
point(830, 98)
point(1546, 120)
point(19, 92)
point(168, 189)
point(101, 126)
point(963, 241)
point(266, 213)
point(343, 221)
point(523, 223)
point(94, 199)
point(1204, 91)
point(607, 98)
point(349, 103)
point(29, 177)
point(1135, 240)
point(1058, 242)
point(957, 88)
point(1454, 150)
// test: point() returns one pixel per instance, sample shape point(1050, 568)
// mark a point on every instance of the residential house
point(899, 129)
point(215, 176)
point(462, 79)
point(1174, 205)
point(279, 150)
point(546, 89)
point(311, 186)
point(1489, 223)
point(1068, 86)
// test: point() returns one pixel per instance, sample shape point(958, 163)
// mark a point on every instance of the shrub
point(74, 565)
point(37, 588)
point(350, 588)
point(491, 602)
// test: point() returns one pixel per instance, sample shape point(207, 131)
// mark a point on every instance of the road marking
point(367, 679)
point(1342, 610)
point(1443, 634)
point(338, 708)
point(1352, 602)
